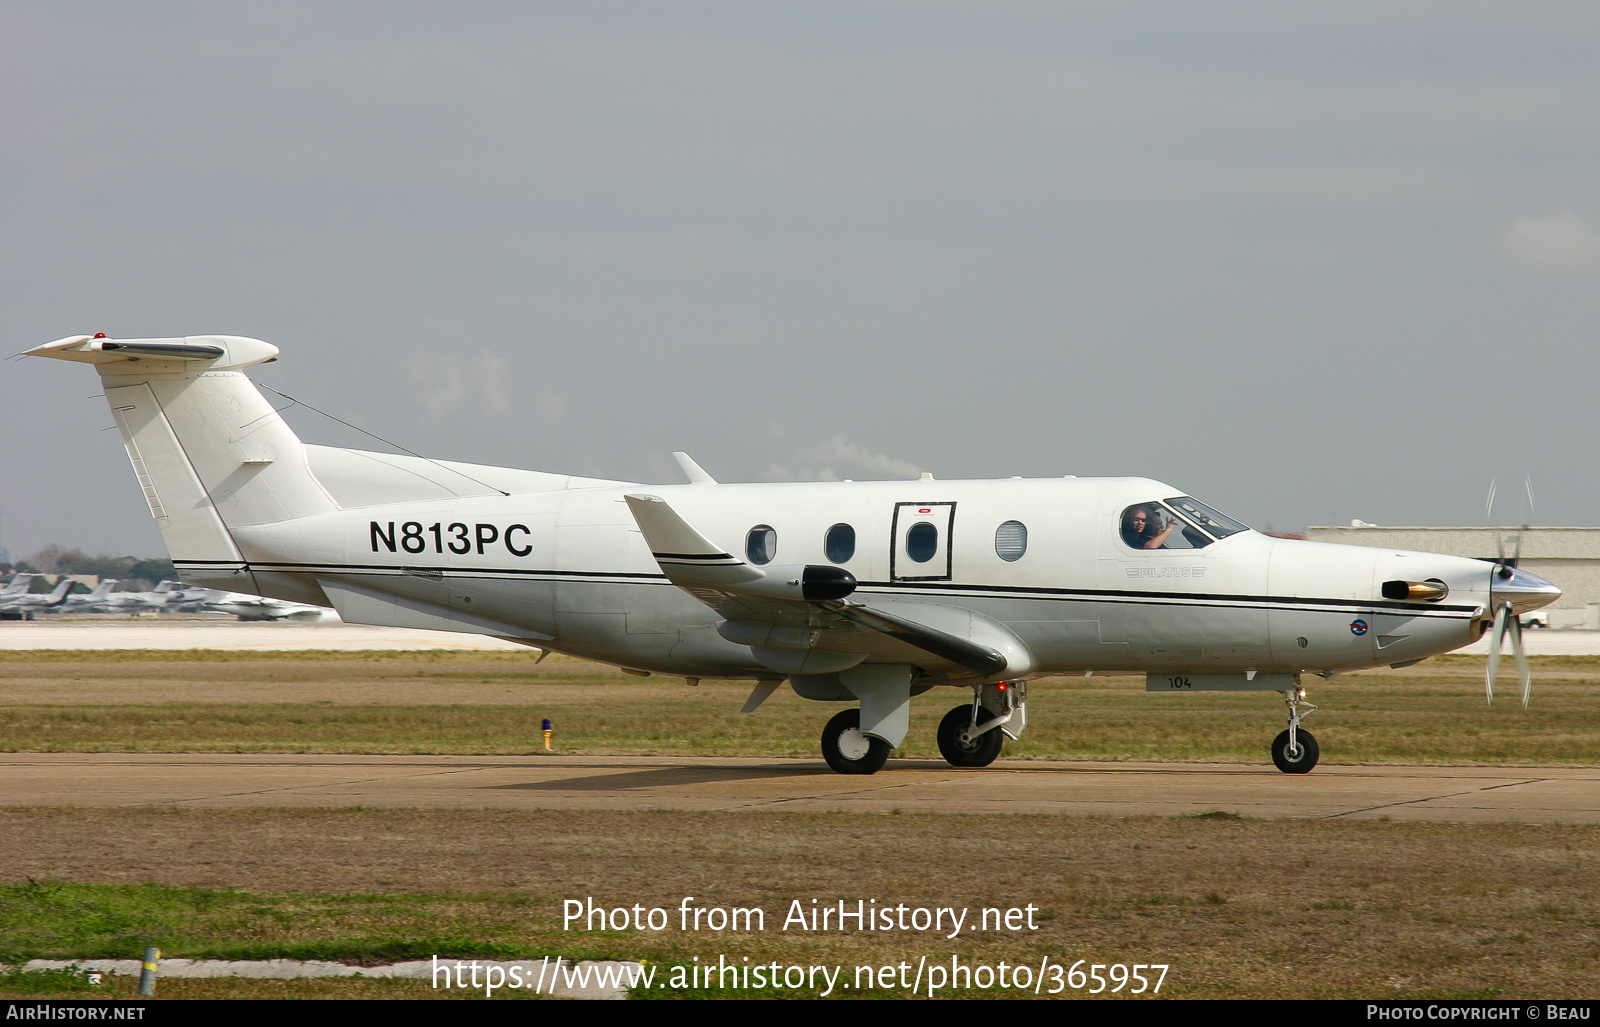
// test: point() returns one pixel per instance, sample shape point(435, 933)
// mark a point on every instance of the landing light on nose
point(1431, 590)
point(1525, 592)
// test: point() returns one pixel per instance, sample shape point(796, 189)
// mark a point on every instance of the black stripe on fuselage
point(362, 568)
point(694, 556)
point(931, 590)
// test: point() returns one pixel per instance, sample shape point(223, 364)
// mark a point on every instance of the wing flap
point(964, 652)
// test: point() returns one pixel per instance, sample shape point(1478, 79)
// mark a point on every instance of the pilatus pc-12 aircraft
point(867, 593)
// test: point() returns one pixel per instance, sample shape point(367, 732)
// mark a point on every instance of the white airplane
point(18, 585)
point(859, 592)
point(157, 599)
point(90, 601)
point(28, 603)
point(252, 607)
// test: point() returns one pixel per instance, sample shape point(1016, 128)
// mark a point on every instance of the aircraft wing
point(799, 609)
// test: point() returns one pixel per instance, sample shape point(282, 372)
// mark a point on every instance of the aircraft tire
point(847, 750)
point(1300, 764)
point(981, 751)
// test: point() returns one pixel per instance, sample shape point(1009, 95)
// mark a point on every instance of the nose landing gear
point(968, 738)
point(972, 734)
point(1295, 751)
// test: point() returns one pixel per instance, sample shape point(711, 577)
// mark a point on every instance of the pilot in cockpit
point(1146, 527)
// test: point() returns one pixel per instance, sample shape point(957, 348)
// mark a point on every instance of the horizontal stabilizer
point(221, 352)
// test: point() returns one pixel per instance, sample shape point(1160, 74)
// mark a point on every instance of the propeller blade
point(1497, 633)
point(1499, 536)
point(1523, 672)
point(1527, 514)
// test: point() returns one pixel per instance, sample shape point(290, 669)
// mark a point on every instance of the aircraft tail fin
point(210, 452)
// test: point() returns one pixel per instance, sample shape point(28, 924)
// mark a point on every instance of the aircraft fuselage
point(570, 569)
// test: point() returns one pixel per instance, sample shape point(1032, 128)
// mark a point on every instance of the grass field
point(1238, 908)
point(491, 704)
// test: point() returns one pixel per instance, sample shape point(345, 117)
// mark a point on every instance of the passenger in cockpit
point(1134, 522)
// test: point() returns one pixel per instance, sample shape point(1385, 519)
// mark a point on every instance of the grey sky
point(1307, 262)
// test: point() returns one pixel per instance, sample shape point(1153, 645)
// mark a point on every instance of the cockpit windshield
point(1216, 525)
point(1175, 524)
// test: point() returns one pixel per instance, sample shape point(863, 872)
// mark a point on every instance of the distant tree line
point(135, 573)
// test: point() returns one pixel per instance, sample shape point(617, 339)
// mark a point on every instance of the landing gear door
point(921, 542)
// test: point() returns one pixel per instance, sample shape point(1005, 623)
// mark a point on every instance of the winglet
point(698, 565)
point(687, 556)
point(694, 472)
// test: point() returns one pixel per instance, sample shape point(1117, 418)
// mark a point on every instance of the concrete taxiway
point(1491, 795)
point(218, 632)
point(230, 635)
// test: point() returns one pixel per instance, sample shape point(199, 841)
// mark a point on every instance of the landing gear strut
point(1295, 750)
point(972, 734)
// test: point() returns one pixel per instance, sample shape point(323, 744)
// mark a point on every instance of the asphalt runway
point(1474, 794)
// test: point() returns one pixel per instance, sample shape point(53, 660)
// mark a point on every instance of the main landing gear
point(847, 750)
point(1295, 750)
point(971, 735)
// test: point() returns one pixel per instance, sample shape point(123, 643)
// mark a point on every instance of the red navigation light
point(1001, 686)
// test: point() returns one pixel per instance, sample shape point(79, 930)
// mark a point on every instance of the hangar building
point(1570, 557)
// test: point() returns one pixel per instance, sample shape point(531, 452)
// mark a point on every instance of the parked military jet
point(18, 585)
point(858, 592)
point(253, 607)
point(91, 601)
point(156, 600)
point(28, 603)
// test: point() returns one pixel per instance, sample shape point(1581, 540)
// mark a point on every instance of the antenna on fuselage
point(694, 472)
point(380, 438)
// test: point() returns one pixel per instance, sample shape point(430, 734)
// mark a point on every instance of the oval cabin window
point(922, 542)
point(1011, 541)
point(840, 543)
point(761, 545)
